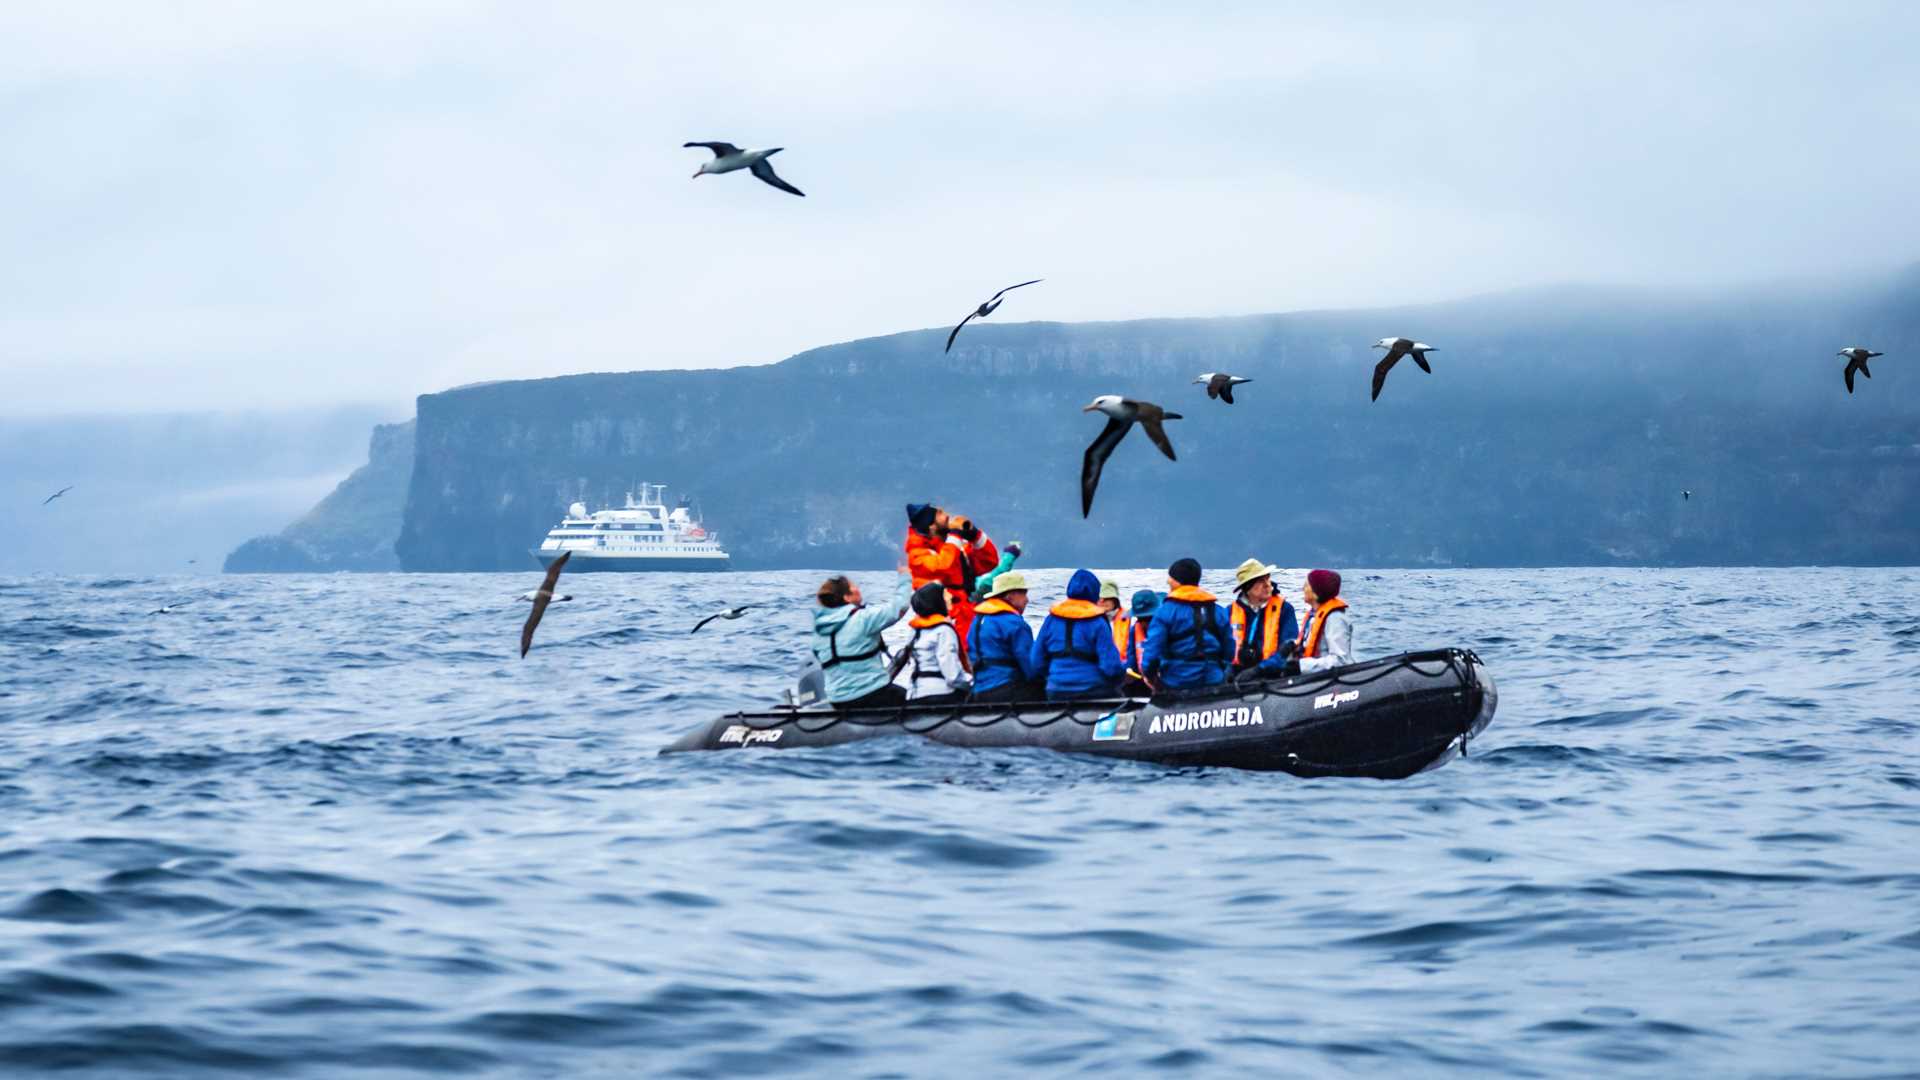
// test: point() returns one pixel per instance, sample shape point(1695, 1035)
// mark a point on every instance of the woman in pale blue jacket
point(846, 641)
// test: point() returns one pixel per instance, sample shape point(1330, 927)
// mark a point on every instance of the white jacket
point(1336, 644)
point(935, 667)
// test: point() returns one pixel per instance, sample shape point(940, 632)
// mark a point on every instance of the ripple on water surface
point(335, 826)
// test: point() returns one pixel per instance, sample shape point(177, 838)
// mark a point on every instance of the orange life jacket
point(994, 607)
point(1121, 627)
point(1136, 653)
point(1192, 594)
point(1076, 609)
point(928, 622)
point(1269, 629)
point(1310, 637)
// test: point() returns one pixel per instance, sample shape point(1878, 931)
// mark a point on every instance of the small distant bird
point(69, 487)
point(730, 613)
point(1685, 496)
point(190, 562)
point(541, 598)
point(1857, 358)
point(1122, 414)
point(561, 599)
point(1220, 384)
point(168, 609)
point(730, 158)
point(1398, 347)
point(987, 309)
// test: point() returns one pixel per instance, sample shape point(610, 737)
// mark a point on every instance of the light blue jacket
point(852, 632)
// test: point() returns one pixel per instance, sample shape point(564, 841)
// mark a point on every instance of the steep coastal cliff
point(351, 529)
point(1559, 427)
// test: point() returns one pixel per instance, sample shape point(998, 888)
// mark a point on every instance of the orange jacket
point(955, 565)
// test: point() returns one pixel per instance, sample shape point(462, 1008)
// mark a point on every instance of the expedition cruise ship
point(640, 536)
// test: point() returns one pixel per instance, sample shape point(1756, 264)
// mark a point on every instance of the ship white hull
point(588, 562)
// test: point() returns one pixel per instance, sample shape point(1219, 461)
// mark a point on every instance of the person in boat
point(937, 671)
point(1145, 603)
point(846, 641)
point(1327, 640)
point(1074, 651)
point(983, 585)
point(1187, 646)
point(1265, 630)
point(951, 551)
point(1115, 612)
point(1001, 644)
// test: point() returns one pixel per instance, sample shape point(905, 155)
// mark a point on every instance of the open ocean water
point(332, 826)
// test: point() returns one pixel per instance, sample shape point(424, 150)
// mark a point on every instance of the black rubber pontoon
point(1387, 718)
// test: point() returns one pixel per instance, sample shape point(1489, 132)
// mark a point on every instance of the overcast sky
point(264, 205)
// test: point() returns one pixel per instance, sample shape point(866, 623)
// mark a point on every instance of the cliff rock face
point(1559, 427)
point(351, 529)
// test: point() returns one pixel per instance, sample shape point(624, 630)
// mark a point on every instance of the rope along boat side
point(1387, 718)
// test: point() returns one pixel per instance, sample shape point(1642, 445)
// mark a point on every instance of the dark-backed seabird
point(730, 158)
point(1220, 384)
point(541, 597)
point(1686, 496)
point(69, 487)
point(1398, 347)
point(730, 613)
point(1122, 414)
point(986, 309)
point(1857, 358)
point(168, 609)
point(561, 599)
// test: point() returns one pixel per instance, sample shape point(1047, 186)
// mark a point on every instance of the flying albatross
point(1122, 414)
point(730, 158)
point(986, 309)
point(1398, 347)
point(730, 613)
point(541, 597)
point(1857, 358)
point(69, 487)
point(1220, 384)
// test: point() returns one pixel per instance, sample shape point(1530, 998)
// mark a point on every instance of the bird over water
point(1122, 414)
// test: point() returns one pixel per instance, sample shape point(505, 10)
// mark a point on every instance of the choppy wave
point(335, 826)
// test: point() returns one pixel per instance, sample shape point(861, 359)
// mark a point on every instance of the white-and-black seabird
point(69, 487)
point(730, 613)
point(1220, 384)
point(1122, 414)
point(1686, 495)
point(986, 309)
point(1398, 347)
point(535, 595)
point(168, 609)
point(541, 597)
point(730, 158)
point(1857, 358)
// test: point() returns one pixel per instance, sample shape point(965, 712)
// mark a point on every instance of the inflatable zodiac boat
point(1387, 718)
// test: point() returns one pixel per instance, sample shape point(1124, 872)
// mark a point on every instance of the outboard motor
point(809, 689)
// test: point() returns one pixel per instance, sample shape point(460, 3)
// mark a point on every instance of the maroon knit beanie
point(1326, 584)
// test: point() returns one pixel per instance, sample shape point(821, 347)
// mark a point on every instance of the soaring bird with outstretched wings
point(1122, 414)
point(993, 303)
point(730, 613)
point(1398, 347)
point(1857, 358)
point(730, 158)
point(541, 598)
